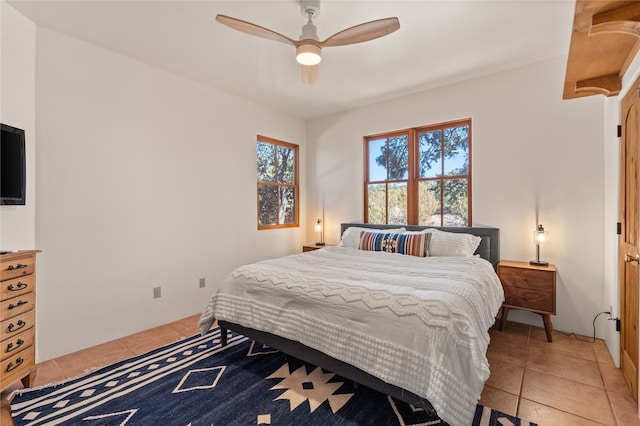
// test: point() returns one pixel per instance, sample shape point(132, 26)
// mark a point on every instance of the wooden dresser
point(528, 287)
point(18, 318)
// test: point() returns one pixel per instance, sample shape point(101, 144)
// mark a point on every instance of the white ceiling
point(439, 42)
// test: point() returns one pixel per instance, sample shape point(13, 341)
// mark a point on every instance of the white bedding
point(418, 323)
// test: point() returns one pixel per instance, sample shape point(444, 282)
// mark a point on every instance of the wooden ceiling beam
point(620, 27)
point(608, 85)
point(630, 12)
point(621, 20)
point(604, 41)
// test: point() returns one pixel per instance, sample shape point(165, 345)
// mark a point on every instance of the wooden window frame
point(414, 171)
point(295, 185)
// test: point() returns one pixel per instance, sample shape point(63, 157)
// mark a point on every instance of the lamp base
point(538, 262)
point(319, 244)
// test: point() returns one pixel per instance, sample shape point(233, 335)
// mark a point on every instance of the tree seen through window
point(277, 180)
point(419, 176)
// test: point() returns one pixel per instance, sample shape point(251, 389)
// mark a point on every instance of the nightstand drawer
point(529, 299)
point(526, 278)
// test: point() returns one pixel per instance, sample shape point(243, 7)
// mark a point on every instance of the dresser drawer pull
point(18, 266)
point(17, 305)
point(10, 366)
point(19, 286)
point(11, 348)
point(12, 326)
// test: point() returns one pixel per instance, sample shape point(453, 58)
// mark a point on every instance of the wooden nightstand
point(312, 247)
point(528, 287)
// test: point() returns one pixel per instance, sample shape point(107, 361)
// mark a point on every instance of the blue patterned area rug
point(197, 382)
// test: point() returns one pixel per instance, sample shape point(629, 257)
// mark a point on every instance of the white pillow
point(351, 236)
point(453, 244)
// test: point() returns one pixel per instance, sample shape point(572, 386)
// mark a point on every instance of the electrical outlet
point(157, 292)
point(203, 283)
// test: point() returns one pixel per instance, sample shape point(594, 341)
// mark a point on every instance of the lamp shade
point(320, 229)
point(308, 54)
point(540, 236)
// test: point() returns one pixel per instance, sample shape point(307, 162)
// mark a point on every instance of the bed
point(415, 328)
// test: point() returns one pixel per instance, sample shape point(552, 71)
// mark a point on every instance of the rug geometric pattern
point(198, 382)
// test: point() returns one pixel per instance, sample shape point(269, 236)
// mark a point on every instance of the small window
point(277, 178)
point(419, 176)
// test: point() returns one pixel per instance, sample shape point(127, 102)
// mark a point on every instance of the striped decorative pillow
point(413, 244)
point(351, 236)
point(376, 241)
point(410, 244)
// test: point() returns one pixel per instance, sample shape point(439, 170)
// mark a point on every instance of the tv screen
point(13, 177)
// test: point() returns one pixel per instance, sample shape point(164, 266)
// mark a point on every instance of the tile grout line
point(524, 369)
point(606, 391)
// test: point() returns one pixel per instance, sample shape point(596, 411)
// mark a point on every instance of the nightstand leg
point(503, 317)
point(548, 328)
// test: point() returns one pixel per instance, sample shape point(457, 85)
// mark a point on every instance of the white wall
point(534, 155)
point(17, 109)
point(611, 151)
point(145, 179)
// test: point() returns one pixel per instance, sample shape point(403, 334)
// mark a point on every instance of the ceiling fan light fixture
point(308, 54)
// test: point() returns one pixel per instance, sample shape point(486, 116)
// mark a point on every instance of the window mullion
point(386, 191)
point(412, 183)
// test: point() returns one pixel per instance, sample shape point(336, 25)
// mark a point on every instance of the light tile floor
point(566, 382)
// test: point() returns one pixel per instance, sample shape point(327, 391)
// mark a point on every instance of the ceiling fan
point(308, 47)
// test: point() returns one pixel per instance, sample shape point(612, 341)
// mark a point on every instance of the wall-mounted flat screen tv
point(13, 166)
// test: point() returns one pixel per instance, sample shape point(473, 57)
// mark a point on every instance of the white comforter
point(418, 323)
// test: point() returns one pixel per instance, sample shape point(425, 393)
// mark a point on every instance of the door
point(628, 264)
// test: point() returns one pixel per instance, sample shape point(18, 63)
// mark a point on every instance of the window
point(419, 176)
point(277, 176)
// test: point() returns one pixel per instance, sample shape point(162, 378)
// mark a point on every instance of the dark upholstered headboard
point(488, 249)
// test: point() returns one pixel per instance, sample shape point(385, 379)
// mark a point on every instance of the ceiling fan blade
point(310, 73)
point(253, 29)
point(363, 32)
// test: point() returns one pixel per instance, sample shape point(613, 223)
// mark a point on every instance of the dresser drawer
point(17, 268)
point(529, 299)
point(17, 305)
point(527, 278)
point(17, 286)
point(17, 366)
point(16, 325)
point(17, 343)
